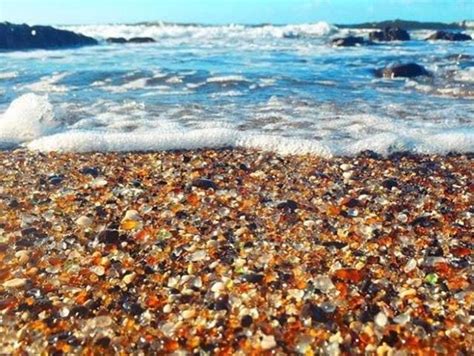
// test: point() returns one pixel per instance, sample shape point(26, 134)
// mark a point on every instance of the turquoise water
point(276, 88)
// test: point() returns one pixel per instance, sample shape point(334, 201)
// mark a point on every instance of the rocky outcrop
point(408, 70)
point(119, 40)
point(349, 41)
point(141, 40)
point(407, 25)
point(449, 36)
point(122, 40)
point(23, 37)
point(390, 34)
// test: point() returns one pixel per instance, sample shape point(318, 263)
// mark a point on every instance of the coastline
point(235, 250)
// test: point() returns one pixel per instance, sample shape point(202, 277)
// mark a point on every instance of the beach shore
point(228, 251)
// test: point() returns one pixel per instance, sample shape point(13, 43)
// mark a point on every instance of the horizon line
point(243, 24)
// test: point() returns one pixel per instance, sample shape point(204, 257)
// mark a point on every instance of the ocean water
point(277, 88)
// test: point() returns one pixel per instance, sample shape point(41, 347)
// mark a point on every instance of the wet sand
point(234, 251)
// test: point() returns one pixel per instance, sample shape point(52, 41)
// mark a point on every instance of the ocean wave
point(227, 79)
point(32, 121)
point(159, 140)
point(163, 31)
point(27, 118)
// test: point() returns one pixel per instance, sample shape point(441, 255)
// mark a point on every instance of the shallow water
point(276, 88)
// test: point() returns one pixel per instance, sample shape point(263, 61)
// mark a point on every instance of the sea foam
point(29, 117)
point(32, 121)
point(163, 31)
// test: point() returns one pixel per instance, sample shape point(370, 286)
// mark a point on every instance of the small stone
point(268, 342)
point(402, 319)
point(316, 313)
point(84, 222)
point(290, 205)
point(403, 218)
point(324, 284)
point(99, 183)
point(253, 277)
point(15, 283)
point(410, 266)
point(345, 166)
point(389, 184)
point(188, 314)
point(132, 215)
point(381, 320)
point(246, 321)
point(129, 278)
point(98, 270)
point(23, 257)
point(353, 213)
point(347, 174)
point(109, 236)
point(217, 287)
point(92, 171)
point(204, 184)
point(198, 256)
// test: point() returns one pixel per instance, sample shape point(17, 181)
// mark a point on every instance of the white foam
point(164, 31)
point(227, 79)
point(465, 75)
point(8, 75)
point(28, 117)
point(48, 84)
point(461, 140)
point(157, 140)
point(136, 84)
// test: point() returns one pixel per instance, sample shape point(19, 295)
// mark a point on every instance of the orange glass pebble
point(81, 298)
point(171, 346)
point(349, 275)
point(129, 224)
point(333, 210)
point(193, 199)
point(443, 269)
point(461, 251)
point(458, 282)
point(153, 302)
point(4, 274)
point(141, 235)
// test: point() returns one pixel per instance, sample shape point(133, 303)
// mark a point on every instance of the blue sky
point(232, 11)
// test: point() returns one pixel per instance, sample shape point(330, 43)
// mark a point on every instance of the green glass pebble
point(431, 278)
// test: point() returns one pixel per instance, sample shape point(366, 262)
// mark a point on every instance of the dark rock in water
point(121, 40)
point(141, 40)
point(291, 35)
point(350, 41)
point(116, 40)
point(449, 36)
point(409, 70)
point(408, 25)
point(18, 37)
point(390, 34)
point(205, 184)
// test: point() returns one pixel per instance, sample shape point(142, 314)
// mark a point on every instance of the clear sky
point(231, 11)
